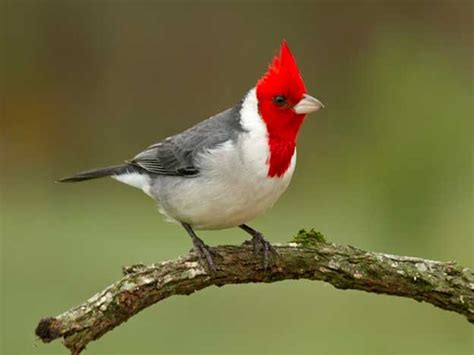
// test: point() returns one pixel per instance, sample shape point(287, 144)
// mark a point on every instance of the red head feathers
point(283, 77)
point(278, 92)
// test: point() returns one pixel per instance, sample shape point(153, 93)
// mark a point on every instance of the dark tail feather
point(98, 173)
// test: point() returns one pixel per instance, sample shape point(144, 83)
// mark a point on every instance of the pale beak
point(307, 104)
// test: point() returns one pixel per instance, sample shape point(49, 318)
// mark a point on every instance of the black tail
point(98, 173)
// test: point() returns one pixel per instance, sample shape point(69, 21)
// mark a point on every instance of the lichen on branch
point(446, 285)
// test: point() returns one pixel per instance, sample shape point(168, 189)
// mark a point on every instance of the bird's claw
point(204, 253)
point(260, 244)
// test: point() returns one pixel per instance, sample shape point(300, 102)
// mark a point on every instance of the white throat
point(254, 143)
point(250, 118)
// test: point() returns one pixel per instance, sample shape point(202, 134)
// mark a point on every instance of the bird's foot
point(205, 253)
point(261, 245)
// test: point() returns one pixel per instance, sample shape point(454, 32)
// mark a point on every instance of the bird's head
point(281, 94)
point(283, 104)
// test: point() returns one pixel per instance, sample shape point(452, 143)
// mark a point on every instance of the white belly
point(230, 190)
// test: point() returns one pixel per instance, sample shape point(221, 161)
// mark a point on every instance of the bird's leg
point(200, 247)
point(258, 241)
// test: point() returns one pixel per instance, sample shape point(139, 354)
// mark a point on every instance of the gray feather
point(176, 155)
point(100, 172)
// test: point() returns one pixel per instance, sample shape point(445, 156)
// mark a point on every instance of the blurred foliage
point(387, 166)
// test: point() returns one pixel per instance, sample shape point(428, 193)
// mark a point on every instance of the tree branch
point(444, 284)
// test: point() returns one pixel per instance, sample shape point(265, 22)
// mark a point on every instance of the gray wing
point(175, 156)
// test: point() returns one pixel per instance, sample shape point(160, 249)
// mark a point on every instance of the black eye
point(279, 100)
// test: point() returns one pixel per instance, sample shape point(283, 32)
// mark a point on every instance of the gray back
point(176, 155)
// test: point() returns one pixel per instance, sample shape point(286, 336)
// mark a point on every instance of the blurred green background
point(387, 166)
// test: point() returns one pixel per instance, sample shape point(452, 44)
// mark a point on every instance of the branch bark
point(446, 285)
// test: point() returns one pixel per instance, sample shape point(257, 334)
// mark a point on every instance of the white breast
point(233, 186)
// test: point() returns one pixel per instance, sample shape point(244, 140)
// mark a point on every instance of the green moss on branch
point(309, 239)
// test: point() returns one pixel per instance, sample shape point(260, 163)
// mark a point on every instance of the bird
point(229, 168)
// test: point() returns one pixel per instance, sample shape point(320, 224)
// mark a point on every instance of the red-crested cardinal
point(229, 168)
